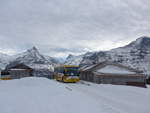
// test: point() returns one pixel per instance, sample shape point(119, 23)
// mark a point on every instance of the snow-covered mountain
point(33, 58)
point(135, 55)
point(4, 60)
point(76, 60)
point(52, 60)
point(73, 60)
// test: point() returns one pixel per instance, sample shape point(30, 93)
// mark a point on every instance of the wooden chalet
point(112, 73)
point(18, 71)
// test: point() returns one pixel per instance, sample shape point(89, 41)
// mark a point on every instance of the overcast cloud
point(61, 27)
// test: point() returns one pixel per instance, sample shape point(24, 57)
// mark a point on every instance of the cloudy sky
point(62, 27)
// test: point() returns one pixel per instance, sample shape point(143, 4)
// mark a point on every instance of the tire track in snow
point(102, 100)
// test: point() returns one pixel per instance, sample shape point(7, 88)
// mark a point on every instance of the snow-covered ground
point(41, 95)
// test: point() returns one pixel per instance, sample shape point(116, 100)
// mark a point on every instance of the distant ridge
point(136, 55)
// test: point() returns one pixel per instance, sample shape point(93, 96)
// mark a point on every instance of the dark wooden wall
point(133, 80)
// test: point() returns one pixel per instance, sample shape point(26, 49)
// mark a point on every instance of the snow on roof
point(14, 69)
point(111, 69)
point(87, 67)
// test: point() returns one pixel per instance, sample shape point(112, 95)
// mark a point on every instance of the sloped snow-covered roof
point(109, 67)
point(17, 66)
point(114, 69)
point(17, 69)
point(87, 67)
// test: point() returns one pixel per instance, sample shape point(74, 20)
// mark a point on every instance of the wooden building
point(19, 71)
point(110, 73)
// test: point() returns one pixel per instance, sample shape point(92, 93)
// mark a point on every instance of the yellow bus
point(67, 73)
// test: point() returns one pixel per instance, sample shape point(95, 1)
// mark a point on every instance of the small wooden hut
point(19, 71)
point(110, 73)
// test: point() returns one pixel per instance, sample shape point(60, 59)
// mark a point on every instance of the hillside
point(4, 60)
point(73, 60)
point(135, 55)
point(41, 95)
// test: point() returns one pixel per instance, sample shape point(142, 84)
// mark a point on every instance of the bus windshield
point(72, 71)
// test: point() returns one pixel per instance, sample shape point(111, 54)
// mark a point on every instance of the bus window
point(72, 71)
point(59, 69)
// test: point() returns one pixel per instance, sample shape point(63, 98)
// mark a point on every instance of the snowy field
point(41, 95)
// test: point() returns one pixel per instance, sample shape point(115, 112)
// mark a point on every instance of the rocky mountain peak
point(73, 60)
point(33, 50)
point(31, 56)
point(145, 41)
point(70, 56)
point(142, 42)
